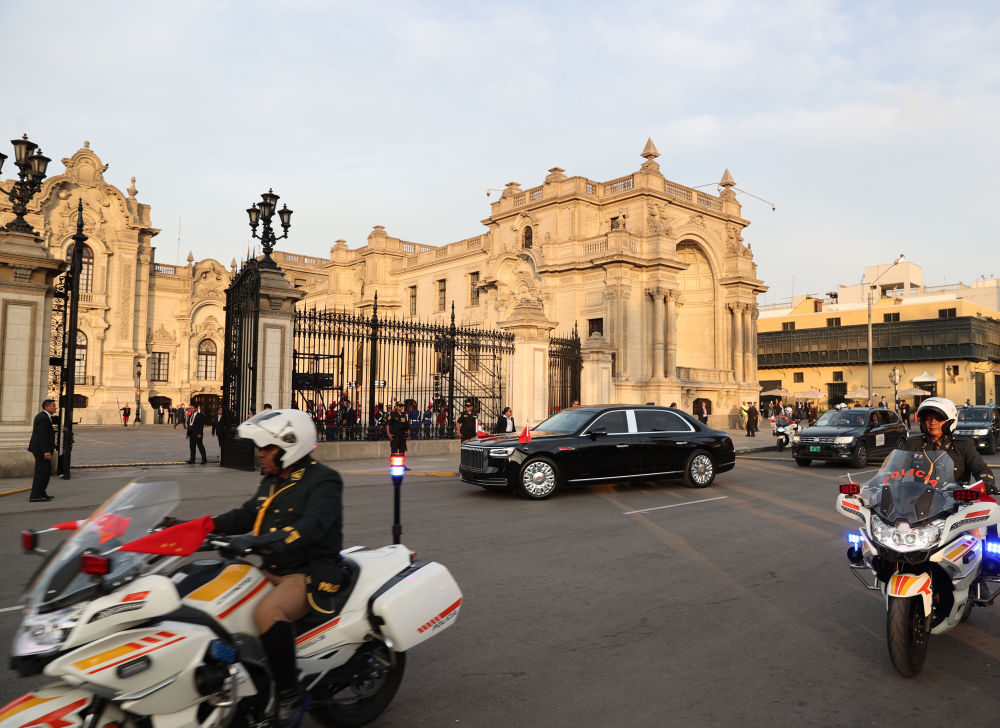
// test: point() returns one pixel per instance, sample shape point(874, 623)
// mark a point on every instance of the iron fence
point(565, 364)
point(350, 369)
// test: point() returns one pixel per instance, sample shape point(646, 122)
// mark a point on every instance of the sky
point(871, 126)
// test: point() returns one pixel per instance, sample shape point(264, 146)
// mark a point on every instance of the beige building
point(655, 275)
point(942, 339)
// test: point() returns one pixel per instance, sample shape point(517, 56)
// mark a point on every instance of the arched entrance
point(210, 404)
point(696, 317)
point(696, 408)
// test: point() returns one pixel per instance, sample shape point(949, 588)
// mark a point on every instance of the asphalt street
point(639, 604)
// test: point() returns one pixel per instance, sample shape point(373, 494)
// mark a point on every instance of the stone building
point(168, 319)
point(655, 276)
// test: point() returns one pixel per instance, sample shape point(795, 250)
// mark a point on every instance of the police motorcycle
point(922, 542)
point(784, 429)
point(137, 635)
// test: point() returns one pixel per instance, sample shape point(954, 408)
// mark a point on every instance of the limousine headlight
point(501, 452)
point(844, 440)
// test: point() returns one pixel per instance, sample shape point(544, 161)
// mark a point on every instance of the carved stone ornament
point(162, 336)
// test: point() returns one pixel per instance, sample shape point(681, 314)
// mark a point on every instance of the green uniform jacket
point(969, 466)
point(306, 503)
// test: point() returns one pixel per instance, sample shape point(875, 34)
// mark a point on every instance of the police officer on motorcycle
point(295, 522)
point(936, 416)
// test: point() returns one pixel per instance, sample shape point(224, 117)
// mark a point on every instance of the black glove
point(243, 545)
point(169, 521)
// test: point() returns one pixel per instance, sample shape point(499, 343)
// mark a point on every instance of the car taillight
point(95, 564)
point(962, 494)
point(850, 488)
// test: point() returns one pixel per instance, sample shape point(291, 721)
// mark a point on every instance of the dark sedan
point(981, 425)
point(600, 444)
point(854, 435)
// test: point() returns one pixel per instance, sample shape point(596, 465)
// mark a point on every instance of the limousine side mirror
point(598, 431)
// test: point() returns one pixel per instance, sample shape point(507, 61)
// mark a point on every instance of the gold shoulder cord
point(930, 470)
point(267, 504)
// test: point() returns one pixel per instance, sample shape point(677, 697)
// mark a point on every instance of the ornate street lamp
point(261, 213)
point(138, 384)
point(31, 166)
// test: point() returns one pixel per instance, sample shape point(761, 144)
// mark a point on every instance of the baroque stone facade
point(132, 310)
point(655, 275)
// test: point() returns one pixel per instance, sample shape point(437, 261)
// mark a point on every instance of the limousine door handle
point(622, 444)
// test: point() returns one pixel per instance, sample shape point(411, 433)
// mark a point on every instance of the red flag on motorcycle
point(525, 434)
point(69, 525)
point(180, 540)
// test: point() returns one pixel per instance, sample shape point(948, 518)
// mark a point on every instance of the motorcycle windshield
point(130, 513)
point(912, 486)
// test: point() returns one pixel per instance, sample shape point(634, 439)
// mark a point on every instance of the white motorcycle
point(784, 429)
point(923, 544)
point(138, 637)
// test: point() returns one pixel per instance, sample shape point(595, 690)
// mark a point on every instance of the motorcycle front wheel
point(907, 634)
point(782, 441)
point(363, 698)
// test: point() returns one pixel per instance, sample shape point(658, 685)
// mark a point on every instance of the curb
point(748, 450)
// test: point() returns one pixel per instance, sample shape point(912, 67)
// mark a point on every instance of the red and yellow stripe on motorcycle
point(904, 586)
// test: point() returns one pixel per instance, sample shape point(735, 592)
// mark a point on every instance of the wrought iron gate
point(565, 365)
point(359, 366)
point(62, 348)
point(239, 366)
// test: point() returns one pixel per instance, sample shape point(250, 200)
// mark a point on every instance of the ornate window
point(474, 288)
point(206, 359)
point(159, 366)
point(80, 370)
point(87, 270)
point(526, 241)
point(442, 294)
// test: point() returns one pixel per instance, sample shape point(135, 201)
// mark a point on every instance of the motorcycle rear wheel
point(362, 700)
point(907, 635)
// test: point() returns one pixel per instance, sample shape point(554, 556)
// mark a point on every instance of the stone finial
point(86, 144)
point(232, 265)
point(727, 179)
point(190, 257)
point(556, 174)
point(511, 188)
point(649, 151)
point(132, 190)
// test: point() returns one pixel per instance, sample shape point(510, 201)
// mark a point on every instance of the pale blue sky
point(871, 125)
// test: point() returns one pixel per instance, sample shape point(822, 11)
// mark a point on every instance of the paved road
point(623, 605)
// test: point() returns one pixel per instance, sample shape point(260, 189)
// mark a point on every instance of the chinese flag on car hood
point(180, 540)
point(525, 434)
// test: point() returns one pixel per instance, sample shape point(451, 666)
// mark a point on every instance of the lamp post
point(894, 377)
point(138, 383)
point(31, 166)
point(869, 294)
point(262, 213)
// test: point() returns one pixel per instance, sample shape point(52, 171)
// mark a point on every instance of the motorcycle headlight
point(843, 440)
point(796, 438)
point(903, 538)
point(501, 452)
point(40, 633)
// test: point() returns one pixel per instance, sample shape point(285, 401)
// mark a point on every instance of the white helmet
point(942, 406)
point(292, 430)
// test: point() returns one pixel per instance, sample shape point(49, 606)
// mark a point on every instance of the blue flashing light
point(397, 471)
point(993, 547)
point(854, 538)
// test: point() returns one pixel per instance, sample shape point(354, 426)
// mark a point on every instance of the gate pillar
point(529, 371)
point(27, 272)
point(276, 337)
point(596, 385)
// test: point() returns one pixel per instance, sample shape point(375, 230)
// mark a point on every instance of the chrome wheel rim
point(701, 469)
point(539, 479)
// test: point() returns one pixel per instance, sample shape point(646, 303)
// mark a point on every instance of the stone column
point(752, 370)
point(529, 388)
point(595, 380)
point(27, 272)
point(275, 339)
point(672, 297)
point(736, 341)
point(658, 329)
point(748, 352)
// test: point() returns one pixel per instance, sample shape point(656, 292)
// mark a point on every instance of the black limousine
point(599, 444)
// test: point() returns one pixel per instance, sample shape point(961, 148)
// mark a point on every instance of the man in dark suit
point(43, 446)
point(505, 423)
point(195, 430)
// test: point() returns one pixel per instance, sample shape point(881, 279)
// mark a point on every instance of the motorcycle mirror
point(850, 488)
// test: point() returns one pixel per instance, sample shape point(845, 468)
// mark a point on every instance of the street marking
point(16, 490)
point(674, 505)
point(10, 609)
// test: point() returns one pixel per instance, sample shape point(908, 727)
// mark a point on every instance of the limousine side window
point(614, 422)
point(658, 421)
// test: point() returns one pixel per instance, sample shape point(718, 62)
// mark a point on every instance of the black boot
point(279, 646)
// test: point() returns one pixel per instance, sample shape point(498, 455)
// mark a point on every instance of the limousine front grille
point(474, 458)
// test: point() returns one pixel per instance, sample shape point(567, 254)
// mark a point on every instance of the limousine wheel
point(700, 470)
point(539, 479)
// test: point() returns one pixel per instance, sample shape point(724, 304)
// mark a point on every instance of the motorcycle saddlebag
point(416, 604)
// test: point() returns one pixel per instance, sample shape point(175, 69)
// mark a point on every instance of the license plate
point(814, 448)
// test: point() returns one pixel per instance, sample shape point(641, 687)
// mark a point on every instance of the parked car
point(981, 425)
point(599, 444)
point(853, 435)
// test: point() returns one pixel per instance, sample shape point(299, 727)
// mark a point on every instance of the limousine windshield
point(565, 422)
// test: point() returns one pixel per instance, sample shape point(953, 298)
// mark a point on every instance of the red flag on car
point(480, 432)
point(180, 540)
point(525, 434)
